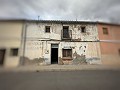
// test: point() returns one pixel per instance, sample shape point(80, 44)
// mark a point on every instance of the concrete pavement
point(61, 80)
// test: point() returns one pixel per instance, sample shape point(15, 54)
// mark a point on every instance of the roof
point(64, 21)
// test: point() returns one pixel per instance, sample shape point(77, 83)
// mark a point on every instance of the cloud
point(105, 10)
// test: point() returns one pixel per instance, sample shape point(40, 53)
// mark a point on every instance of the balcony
point(66, 34)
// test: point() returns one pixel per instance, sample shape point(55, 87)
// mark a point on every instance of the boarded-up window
point(47, 29)
point(105, 31)
point(14, 52)
point(67, 52)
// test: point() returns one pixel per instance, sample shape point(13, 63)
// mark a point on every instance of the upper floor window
point(66, 32)
point(83, 29)
point(105, 31)
point(47, 29)
point(14, 52)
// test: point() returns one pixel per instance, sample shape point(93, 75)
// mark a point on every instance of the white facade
point(83, 45)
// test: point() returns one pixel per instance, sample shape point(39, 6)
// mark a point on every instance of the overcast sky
point(94, 10)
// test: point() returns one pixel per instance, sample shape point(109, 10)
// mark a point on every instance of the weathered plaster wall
point(82, 52)
point(90, 35)
point(38, 44)
point(37, 31)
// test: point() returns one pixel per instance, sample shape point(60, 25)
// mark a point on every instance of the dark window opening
point(2, 56)
point(83, 29)
point(66, 32)
point(47, 29)
point(67, 53)
point(14, 52)
point(119, 51)
point(105, 31)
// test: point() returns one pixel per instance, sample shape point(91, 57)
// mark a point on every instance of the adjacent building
point(10, 42)
point(109, 35)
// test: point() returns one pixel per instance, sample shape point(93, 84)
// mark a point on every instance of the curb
point(57, 68)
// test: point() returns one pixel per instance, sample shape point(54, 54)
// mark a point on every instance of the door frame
point(51, 52)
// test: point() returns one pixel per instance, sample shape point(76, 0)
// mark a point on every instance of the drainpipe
point(23, 43)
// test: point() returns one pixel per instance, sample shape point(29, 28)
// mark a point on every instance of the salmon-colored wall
point(109, 44)
point(113, 30)
point(110, 48)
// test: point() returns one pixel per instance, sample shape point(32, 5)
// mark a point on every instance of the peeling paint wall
point(37, 31)
point(83, 52)
point(90, 35)
point(38, 43)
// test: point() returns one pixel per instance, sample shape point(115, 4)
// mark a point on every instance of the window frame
point(14, 52)
point(119, 52)
point(47, 29)
point(83, 30)
point(105, 31)
point(67, 53)
point(65, 32)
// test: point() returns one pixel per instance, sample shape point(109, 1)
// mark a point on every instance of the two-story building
point(60, 42)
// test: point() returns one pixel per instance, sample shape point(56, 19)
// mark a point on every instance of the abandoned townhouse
point(44, 42)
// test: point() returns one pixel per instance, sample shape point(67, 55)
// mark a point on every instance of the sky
point(90, 10)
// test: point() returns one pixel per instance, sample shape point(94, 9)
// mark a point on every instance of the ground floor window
point(119, 51)
point(67, 53)
point(2, 56)
point(14, 52)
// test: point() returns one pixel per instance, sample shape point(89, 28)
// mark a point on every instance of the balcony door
point(66, 32)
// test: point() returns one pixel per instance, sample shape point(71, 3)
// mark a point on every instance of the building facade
point(61, 42)
point(109, 35)
point(10, 42)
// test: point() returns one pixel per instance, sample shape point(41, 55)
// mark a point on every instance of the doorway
point(2, 56)
point(54, 54)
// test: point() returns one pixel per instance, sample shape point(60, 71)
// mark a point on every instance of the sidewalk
point(58, 68)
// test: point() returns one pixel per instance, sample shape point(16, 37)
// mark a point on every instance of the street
point(61, 80)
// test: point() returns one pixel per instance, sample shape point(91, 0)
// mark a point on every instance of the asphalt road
point(70, 80)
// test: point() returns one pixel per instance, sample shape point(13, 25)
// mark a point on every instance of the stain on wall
point(79, 59)
point(35, 61)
